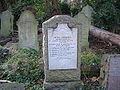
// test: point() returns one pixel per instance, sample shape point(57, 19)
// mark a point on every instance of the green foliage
point(37, 87)
point(38, 5)
point(89, 58)
point(24, 67)
point(92, 85)
point(107, 14)
point(75, 10)
point(90, 63)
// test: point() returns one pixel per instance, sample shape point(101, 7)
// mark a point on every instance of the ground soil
point(101, 46)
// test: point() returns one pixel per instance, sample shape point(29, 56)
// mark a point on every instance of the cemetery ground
point(26, 66)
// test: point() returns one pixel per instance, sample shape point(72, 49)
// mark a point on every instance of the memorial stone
point(110, 72)
point(61, 53)
point(84, 17)
point(27, 29)
point(6, 23)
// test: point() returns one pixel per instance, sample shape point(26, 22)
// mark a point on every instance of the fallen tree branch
point(105, 35)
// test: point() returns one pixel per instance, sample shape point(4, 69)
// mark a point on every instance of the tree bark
point(105, 35)
point(48, 7)
point(52, 7)
point(56, 8)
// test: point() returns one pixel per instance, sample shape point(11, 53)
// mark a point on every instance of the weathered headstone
point(6, 23)
point(110, 72)
point(61, 53)
point(84, 17)
point(27, 29)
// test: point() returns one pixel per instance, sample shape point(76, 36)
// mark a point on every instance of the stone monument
point(27, 29)
point(6, 23)
point(84, 17)
point(61, 53)
point(110, 72)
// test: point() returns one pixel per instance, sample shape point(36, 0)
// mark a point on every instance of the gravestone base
point(62, 85)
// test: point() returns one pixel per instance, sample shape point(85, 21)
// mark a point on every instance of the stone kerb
point(60, 74)
point(7, 85)
point(84, 17)
point(6, 23)
point(28, 33)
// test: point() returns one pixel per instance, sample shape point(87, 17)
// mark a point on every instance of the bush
point(90, 71)
point(89, 58)
point(90, 64)
point(75, 11)
point(107, 14)
point(23, 67)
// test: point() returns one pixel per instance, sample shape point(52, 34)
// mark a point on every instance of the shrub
point(90, 64)
point(23, 67)
point(107, 14)
point(90, 58)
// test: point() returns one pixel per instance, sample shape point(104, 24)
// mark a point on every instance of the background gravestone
point(27, 28)
point(6, 23)
point(61, 53)
point(110, 72)
point(84, 17)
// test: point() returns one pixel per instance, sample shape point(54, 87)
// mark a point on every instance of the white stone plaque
point(62, 47)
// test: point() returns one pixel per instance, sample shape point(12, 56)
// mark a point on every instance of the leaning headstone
point(61, 53)
point(84, 17)
point(110, 72)
point(7, 85)
point(27, 29)
point(6, 23)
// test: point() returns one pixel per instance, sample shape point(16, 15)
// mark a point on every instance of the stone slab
point(84, 17)
point(63, 85)
point(111, 72)
point(27, 30)
point(12, 86)
point(6, 23)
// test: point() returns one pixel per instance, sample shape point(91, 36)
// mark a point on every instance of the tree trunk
point(52, 7)
point(56, 8)
point(105, 35)
point(48, 7)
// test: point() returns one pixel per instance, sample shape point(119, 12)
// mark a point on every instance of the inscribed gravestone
point(27, 28)
point(84, 17)
point(6, 23)
point(110, 72)
point(61, 52)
